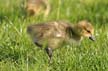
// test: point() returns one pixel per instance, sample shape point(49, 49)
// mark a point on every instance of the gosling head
point(87, 29)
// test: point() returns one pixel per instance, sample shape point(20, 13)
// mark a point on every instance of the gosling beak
point(92, 38)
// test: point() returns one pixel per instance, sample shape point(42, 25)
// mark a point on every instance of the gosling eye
point(88, 31)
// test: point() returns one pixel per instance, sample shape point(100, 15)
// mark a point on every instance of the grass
point(18, 53)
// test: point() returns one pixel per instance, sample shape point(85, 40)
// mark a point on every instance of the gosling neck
point(74, 33)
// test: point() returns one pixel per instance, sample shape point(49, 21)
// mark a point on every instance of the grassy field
point(18, 53)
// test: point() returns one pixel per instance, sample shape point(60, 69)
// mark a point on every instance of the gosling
point(36, 7)
point(52, 35)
